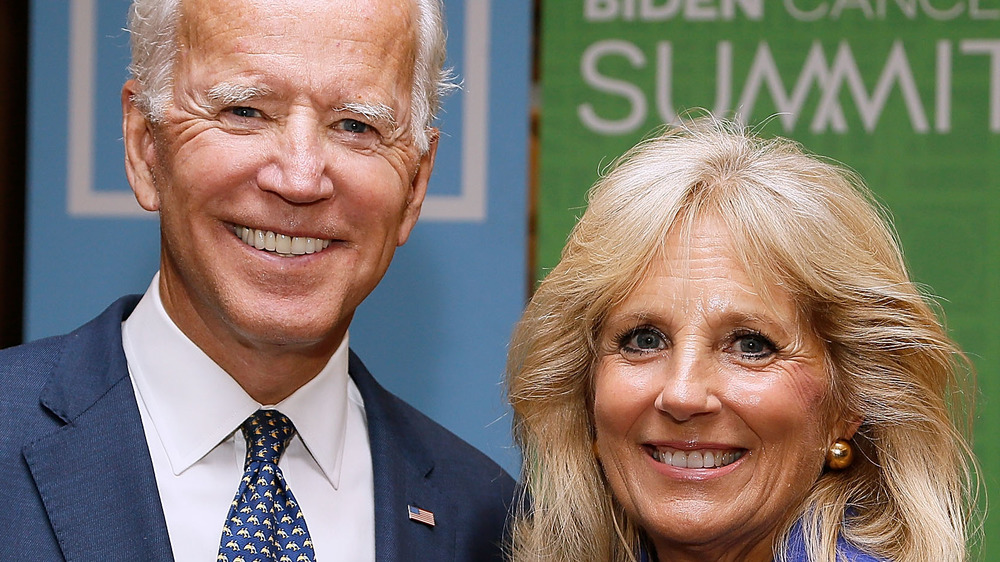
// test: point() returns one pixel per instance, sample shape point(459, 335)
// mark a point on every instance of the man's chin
point(291, 334)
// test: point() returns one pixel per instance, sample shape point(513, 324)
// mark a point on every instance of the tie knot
point(267, 432)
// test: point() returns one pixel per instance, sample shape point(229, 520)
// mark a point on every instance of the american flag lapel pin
point(420, 515)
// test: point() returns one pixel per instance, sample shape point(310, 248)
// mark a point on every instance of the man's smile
point(281, 244)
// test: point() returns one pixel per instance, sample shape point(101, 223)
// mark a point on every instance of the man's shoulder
point(106, 324)
point(24, 372)
point(25, 369)
point(415, 457)
point(31, 357)
point(450, 454)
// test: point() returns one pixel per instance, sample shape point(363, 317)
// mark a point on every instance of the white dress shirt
point(191, 412)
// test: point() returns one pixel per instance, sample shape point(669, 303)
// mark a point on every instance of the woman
point(730, 363)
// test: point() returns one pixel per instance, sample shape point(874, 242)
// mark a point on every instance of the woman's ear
point(140, 149)
point(846, 428)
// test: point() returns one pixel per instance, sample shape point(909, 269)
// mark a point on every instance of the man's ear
point(140, 149)
point(418, 188)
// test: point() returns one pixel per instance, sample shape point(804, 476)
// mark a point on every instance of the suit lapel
point(402, 467)
point(94, 474)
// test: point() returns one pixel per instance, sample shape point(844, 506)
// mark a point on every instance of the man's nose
point(689, 386)
point(298, 170)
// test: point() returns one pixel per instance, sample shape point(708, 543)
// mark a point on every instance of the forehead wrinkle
point(748, 304)
point(746, 318)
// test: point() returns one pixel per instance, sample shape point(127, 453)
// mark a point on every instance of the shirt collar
point(195, 405)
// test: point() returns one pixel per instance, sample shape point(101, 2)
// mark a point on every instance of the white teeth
point(679, 460)
point(281, 244)
point(697, 459)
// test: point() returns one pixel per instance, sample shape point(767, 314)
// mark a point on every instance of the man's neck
point(270, 369)
point(269, 373)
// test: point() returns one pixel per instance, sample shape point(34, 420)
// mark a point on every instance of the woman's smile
point(709, 458)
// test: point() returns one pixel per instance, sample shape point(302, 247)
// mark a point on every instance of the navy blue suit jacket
point(77, 484)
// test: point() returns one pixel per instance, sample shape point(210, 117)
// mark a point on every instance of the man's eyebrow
point(229, 93)
point(374, 111)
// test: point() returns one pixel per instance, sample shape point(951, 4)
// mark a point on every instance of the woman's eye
point(353, 126)
point(642, 340)
point(753, 346)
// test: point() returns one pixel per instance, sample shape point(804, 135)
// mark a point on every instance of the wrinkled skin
point(697, 360)
point(291, 116)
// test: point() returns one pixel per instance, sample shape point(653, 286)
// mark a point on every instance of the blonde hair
point(797, 222)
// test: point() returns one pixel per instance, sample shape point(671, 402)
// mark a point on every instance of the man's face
point(289, 129)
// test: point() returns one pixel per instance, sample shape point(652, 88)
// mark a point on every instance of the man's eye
point(246, 112)
point(642, 340)
point(353, 126)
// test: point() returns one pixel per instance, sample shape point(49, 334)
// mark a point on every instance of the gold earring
point(840, 455)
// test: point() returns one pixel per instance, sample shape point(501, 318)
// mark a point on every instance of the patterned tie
point(265, 522)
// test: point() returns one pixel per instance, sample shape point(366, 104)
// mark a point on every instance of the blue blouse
point(846, 551)
point(796, 551)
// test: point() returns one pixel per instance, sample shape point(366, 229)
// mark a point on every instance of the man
point(285, 145)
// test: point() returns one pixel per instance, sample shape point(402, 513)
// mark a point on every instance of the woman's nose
point(689, 386)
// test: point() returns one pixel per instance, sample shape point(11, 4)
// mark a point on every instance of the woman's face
point(710, 404)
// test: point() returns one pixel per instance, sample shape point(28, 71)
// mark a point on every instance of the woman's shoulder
point(846, 551)
point(852, 553)
point(796, 551)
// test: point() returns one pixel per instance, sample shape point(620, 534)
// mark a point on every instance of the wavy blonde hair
point(798, 222)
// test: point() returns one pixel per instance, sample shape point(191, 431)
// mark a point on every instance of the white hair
point(152, 25)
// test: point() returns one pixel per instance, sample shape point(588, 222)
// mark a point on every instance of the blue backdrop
point(435, 331)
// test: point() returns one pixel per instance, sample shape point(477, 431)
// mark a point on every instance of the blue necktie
point(265, 522)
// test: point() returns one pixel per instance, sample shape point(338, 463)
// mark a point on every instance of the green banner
point(906, 92)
